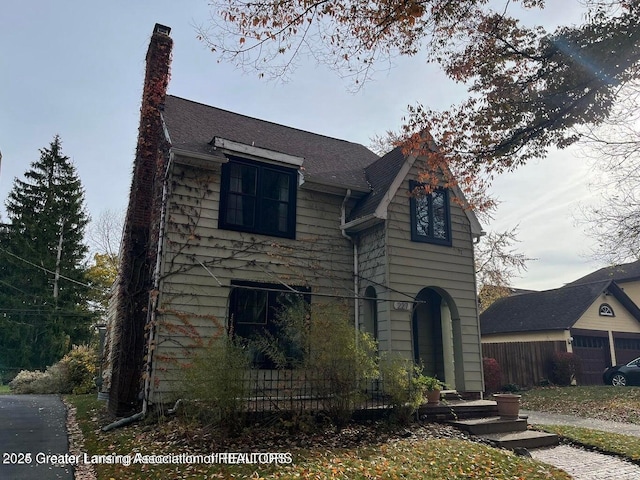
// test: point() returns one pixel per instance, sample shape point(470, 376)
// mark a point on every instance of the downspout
point(356, 283)
point(475, 283)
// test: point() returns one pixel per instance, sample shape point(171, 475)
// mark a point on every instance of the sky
point(76, 68)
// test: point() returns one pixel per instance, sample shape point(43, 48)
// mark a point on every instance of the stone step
point(527, 439)
point(456, 410)
point(482, 426)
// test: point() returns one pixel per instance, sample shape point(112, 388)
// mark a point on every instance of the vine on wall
point(192, 230)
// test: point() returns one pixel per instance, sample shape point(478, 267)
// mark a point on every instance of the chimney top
point(162, 29)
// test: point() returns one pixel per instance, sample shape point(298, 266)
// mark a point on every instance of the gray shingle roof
point(380, 175)
point(192, 126)
point(625, 271)
point(556, 309)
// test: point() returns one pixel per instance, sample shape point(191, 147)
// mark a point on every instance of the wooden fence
point(524, 363)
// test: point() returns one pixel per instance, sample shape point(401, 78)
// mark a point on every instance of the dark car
point(622, 375)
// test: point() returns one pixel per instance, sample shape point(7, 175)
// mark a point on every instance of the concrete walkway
point(33, 438)
point(583, 464)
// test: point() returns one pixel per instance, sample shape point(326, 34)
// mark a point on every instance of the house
point(595, 317)
point(627, 275)
point(228, 215)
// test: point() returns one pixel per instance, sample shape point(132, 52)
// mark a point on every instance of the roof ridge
point(273, 123)
point(574, 284)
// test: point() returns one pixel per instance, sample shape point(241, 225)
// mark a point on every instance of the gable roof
point(380, 175)
point(557, 309)
point(193, 126)
point(623, 272)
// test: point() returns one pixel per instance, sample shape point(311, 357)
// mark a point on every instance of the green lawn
point(4, 389)
point(409, 459)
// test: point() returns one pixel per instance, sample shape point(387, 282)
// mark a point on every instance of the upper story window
point(430, 216)
point(258, 197)
point(606, 310)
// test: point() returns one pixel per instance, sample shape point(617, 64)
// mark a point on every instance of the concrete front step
point(527, 439)
point(452, 410)
point(483, 426)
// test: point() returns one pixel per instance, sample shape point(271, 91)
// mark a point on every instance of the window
point(430, 218)
point(606, 310)
point(259, 198)
point(370, 324)
point(253, 313)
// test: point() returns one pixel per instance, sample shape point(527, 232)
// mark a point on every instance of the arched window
point(606, 310)
point(370, 321)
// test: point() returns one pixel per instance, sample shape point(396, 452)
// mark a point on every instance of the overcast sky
point(75, 68)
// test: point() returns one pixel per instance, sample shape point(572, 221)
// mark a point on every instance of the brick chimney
point(139, 242)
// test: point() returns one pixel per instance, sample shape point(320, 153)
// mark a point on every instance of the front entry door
point(427, 334)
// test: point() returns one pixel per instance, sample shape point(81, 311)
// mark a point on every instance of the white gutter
point(356, 283)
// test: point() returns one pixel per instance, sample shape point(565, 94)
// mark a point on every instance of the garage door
point(594, 353)
point(627, 349)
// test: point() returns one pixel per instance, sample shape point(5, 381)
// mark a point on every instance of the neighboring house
point(594, 317)
point(230, 215)
point(627, 275)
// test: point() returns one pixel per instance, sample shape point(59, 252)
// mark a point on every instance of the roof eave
point(624, 299)
point(334, 188)
point(196, 159)
point(233, 147)
point(362, 223)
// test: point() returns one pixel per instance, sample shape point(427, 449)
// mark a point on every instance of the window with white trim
point(606, 310)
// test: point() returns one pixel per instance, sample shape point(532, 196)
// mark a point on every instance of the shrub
point(81, 365)
point(511, 388)
point(26, 381)
point(74, 373)
point(492, 375)
point(345, 358)
point(321, 340)
point(402, 382)
point(566, 367)
point(216, 384)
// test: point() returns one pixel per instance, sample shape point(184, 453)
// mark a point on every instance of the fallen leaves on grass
point(360, 451)
point(434, 459)
point(82, 471)
point(605, 402)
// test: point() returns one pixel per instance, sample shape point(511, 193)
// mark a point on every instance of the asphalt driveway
point(33, 438)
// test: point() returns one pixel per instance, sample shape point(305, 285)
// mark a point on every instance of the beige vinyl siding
point(542, 336)
point(632, 289)
point(416, 265)
point(193, 305)
point(372, 269)
point(622, 322)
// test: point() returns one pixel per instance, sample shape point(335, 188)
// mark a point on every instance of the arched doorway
point(437, 344)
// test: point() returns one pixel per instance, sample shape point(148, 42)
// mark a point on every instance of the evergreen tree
point(43, 304)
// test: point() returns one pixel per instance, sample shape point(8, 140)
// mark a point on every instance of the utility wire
point(47, 270)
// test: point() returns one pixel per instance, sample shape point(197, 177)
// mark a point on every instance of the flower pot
point(508, 405)
point(433, 397)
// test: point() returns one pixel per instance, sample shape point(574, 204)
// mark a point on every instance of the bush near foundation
point(566, 368)
point(492, 375)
